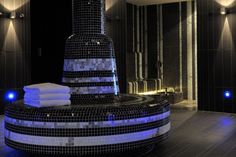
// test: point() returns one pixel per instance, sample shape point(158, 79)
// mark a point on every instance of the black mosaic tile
point(90, 84)
point(120, 123)
point(80, 74)
point(59, 132)
point(85, 151)
point(100, 120)
point(126, 107)
point(89, 52)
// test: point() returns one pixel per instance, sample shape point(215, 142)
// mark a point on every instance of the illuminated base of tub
point(132, 123)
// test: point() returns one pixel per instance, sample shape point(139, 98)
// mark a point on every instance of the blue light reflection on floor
point(226, 121)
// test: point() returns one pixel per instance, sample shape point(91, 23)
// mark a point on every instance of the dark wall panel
point(131, 42)
point(216, 57)
point(171, 44)
point(116, 29)
point(184, 49)
point(15, 50)
point(152, 41)
point(51, 26)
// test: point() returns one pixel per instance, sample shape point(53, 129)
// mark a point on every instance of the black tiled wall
point(52, 27)
point(14, 52)
point(216, 57)
point(116, 29)
point(131, 41)
point(50, 30)
point(171, 44)
point(152, 41)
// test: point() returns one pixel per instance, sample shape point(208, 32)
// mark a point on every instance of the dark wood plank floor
point(193, 134)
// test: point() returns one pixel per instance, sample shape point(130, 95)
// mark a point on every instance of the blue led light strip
point(88, 141)
point(81, 125)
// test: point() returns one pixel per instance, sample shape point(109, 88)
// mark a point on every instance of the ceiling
point(152, 2)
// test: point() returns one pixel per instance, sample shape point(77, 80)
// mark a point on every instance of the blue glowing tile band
point(87, 141)
point(89, 64)
point(94, 90)
point(81, 125)
point(89, 79)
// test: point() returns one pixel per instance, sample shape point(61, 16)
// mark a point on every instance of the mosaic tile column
point(89, 61)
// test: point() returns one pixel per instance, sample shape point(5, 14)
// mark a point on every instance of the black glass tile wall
point(99, 120)
point(90, 51)
point(216, 56)
point(128, 125)
point(50, 29)
point(15, 51)
point(57, 27)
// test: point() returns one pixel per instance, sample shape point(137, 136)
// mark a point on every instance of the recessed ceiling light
point(223, 11)
point(13, 15)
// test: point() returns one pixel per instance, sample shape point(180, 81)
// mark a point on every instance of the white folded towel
point(46, 88)
point(29, 97)
point(47, 103)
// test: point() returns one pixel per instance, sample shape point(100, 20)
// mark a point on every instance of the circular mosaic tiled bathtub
point(128, 124)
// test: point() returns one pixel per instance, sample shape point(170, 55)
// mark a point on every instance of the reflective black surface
point(127, 124)
point(193, 134)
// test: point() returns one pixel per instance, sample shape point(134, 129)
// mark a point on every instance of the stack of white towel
point(47, 95)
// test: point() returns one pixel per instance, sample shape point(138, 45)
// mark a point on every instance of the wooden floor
point(202, 134)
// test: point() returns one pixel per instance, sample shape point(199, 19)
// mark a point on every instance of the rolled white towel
point(47, 103)
point(45, 88)
point(29, 97)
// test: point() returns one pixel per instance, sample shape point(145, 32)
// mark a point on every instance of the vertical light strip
point(158, 47)
point(196, 48)
point(103, 19)
point(189, 50)
point(161, 47)
point(141, 42)
point(140, 57)
point(139, 54)
point(146, 42)
point(137, 31)
point(134, 43)
point(141, 30)
point(180, 49)
point(116, 88)
point(133, 28)
point(138, 42)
